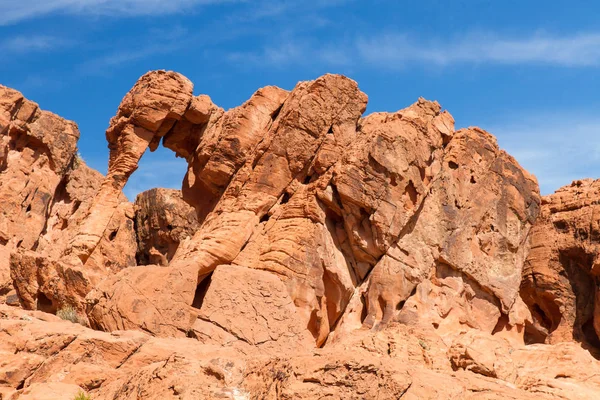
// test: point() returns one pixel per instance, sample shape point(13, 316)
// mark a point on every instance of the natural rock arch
point(299, 184)
point(337, 207)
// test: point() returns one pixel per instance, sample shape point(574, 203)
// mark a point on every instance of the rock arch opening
point(158, 169)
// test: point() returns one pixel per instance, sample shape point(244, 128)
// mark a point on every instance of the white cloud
point(12, 11)
point(294, 52)
point(557, 148)
point(272, 9)
point(154, 43)
point(104, 63)
point(32, 43)
point(395, 50)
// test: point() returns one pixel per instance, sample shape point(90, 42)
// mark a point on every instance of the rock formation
point(298, 184)
point(163, 220)
point(560, 283)
point(312, 251)
point(41, 355)
point(37, 149)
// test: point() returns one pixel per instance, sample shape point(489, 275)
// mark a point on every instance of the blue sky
point(527, 71)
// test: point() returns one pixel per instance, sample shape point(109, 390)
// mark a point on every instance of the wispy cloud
point(32, 43)
point(31, 84)
point(104, 63)
point(14, 11)
point(294, 52)
point(394, 50)
point(398, 50)
point(272, 9)
point(557, 148)
point(153, 43)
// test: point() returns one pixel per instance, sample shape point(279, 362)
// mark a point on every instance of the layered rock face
point(312, 251)
point(36, 150)
point(560, 283)
point(43, 183)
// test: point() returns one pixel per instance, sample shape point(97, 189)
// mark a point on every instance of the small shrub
point(82, 396)
point(68, 313)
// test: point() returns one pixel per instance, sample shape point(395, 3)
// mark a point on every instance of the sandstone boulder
point(163, 220)
point(254, 307)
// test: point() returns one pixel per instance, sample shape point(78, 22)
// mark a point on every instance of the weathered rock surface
point(90, 232)
point(473, 225)
point(59, 283)
point(311, 252)
point(299, 185)
point(163, 220)
point(44, 356)
point(44, 188)
point(37, 149)
point(261, 314)
point(560, 283)
point(145, 115)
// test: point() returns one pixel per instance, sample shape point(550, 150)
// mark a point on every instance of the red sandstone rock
point(253, 307)
point(396, 362)
point(37, 149)
point(559, 280)
point(145, 115)
point(322, 253)
point(326, 201)
point(163, 221)
point(58, 284)
point(281, 162)
point(227, 142)
point(91, 231)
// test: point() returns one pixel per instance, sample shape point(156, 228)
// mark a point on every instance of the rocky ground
point(312, 252)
